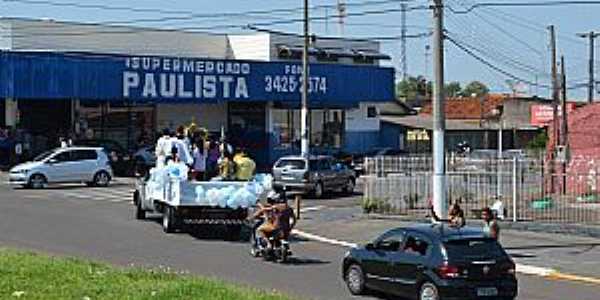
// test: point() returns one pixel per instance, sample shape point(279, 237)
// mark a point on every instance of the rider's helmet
point(273, 197)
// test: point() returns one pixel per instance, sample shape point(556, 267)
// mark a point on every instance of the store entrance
point(45, 121)
point(247, 130)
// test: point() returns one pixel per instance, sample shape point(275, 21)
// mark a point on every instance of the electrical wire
point(471, 53)
point(520, 4)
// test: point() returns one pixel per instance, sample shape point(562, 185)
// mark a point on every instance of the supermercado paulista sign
point(168, 79)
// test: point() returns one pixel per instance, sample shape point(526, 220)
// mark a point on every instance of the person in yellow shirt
point(245, 166)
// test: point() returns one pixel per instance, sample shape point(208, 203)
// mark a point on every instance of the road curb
point(547, 273)
point(570, 229)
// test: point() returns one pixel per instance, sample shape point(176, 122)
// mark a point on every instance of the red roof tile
point(468, 108)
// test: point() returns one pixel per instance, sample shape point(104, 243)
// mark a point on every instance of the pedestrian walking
point(491, 227)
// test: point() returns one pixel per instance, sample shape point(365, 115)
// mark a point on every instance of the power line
point(506, 32)
point(490, 65)
point(373, 38)
point(485, 45)
point(196, 29)
point(520, 4)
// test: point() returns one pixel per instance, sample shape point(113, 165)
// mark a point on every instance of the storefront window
point(131, 127)
point(326, 128)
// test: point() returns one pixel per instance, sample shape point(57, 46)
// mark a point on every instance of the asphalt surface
point(99, 224)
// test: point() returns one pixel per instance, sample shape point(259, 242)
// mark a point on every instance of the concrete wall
point(63, 36)
point(210, 116)
point(356, 119)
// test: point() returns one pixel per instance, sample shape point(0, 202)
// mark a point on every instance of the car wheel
point(318, 192)
point(102, 179)
point(168, 222)
point(349, 187)
point(37, 181)
point(429, 292)
point(355, 280)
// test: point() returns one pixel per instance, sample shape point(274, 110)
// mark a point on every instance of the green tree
point(413, 87)
point(453, 89)
point(477, 88)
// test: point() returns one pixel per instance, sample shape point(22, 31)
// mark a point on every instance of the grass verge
point(26, 275)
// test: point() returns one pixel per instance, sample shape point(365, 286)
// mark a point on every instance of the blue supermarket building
point(126, 83)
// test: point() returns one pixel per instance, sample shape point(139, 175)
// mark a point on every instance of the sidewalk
point(568, 254)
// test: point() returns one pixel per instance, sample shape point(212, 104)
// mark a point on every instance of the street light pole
point(304, 142)
point(592, 36)
point(440, 202)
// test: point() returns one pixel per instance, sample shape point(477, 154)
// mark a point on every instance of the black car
point(120, 159)
point(432, 262)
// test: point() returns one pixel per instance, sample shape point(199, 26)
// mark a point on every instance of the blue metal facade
point(46, 75)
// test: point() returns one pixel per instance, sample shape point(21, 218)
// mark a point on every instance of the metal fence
point(520, 189)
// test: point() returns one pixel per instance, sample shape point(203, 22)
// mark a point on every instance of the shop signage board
point(542, 114)
point(46, 75)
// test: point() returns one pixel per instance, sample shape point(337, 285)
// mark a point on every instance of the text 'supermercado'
point(164, 79)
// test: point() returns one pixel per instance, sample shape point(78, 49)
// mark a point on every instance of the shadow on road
point(303, 261)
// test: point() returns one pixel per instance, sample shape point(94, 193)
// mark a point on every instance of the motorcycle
point(279, 250)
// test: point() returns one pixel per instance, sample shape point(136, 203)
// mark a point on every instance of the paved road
point(99, 224)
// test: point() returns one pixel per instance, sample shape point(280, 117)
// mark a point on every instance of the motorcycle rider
point(277, 215)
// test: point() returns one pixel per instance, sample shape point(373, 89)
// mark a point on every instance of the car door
point(58, 167)
point(410, 262)
point(84, 164)
point(327, 173)
point(378, 264)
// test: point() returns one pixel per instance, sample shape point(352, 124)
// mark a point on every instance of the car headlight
point(347, 254)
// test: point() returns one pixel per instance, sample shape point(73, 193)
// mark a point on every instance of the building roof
point(395, 108)
point(426, 122)
point(469, 108)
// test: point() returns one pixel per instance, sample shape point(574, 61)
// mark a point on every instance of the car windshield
point(473, 248)
point(294, 164)
point(43, 155)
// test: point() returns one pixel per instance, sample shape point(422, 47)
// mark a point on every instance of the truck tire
point(169, 220)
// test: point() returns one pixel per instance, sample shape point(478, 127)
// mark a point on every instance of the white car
point(64, 165)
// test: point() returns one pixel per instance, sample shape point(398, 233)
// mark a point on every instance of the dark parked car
point(120, 159)
point(315, 174)
point(432, 262)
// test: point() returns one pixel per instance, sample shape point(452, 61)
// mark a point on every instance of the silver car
point(315, 174)
point(89, 165)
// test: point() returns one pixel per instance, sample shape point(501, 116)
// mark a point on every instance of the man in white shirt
point(163, 148)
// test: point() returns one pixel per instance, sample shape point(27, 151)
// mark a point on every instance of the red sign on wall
point(541, 114)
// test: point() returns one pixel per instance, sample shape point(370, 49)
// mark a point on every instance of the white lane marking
point(520, 268)
point(312, 208)
point(321, 239)
point(533, 270)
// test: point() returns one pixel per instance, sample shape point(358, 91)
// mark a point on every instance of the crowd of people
point(206, 159)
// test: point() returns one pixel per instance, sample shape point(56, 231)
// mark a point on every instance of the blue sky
point(514, 39)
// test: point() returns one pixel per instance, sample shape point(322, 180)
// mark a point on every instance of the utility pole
point(564, 140)
point(304, 142)
point(341, 7)
point(554, 104)
point(592, 36)
point(403, 62)
point(440, 202)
